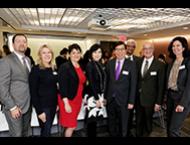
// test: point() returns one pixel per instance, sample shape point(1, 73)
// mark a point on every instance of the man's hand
point(179, 108)
point(130, 106)
point(16, 113)
point(157, 107)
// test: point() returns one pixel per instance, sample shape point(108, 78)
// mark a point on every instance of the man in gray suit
point(14, 88)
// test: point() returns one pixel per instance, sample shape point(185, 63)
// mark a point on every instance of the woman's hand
point(98, 103)
point(68, 108)
point(42, 117)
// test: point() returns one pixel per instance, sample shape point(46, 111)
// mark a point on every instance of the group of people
point(124, 85)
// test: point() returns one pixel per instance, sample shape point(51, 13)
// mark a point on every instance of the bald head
point(148, 49)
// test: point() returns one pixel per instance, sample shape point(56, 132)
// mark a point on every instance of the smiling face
point(46, 55)
point(20, 44)
point(97, 55)
point(148, 50)
point(177, 48)
point(120, 51)
point(75, 55)
point(130, 47)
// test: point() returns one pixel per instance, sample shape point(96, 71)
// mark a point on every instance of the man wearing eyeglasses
point(120, 91)
point(150, 90)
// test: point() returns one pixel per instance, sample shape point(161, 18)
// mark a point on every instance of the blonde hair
point(40, 62)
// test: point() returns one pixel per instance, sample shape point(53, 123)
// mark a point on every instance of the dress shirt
point(149, 63)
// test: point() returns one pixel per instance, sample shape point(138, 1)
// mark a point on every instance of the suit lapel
point(113, 68)
point(149, 70)
point(20, 65)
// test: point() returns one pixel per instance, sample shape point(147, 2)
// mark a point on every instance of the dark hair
point(93, 48)
point(74, 46)
point(63, 51)
point(119, 43)
point(19, 34)
point(184, 44)
point(6, 49)
point(27, 52)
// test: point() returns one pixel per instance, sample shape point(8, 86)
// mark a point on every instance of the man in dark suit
point(62, 58)
point(151, 74)
point(120, 91)
point(130, 48)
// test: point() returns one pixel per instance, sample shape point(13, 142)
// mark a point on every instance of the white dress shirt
point(129, 57)
point(20, 57)
point(149, 63)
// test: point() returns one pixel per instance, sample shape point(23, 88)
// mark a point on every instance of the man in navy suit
point(120, 92)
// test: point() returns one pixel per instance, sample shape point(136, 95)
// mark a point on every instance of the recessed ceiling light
point(185, 28)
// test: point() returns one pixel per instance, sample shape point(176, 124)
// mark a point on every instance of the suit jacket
point(94, 71)
point(68, 80)
point(183, 82)
point(151, 87)
point(124, 88)
point(43, 88)
point(14, 86)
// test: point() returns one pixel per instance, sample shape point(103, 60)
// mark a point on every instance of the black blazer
point(125, 86)
point(96, 76)
point(68, 80)
point(151, 87)
point(43, 88)
point(183, 82)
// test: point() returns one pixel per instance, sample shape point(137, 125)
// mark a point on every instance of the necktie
point(117, 71)
point(25, 65)
point(145, 68)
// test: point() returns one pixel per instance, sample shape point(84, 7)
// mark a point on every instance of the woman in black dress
point(43, 89)
point(96, 77)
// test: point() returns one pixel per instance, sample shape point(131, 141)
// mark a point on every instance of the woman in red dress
point(71, 79)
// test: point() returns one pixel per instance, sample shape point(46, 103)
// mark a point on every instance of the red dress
point(70, 119)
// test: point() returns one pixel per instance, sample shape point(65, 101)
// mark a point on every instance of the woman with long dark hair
point(178, 86)
point(96, 76)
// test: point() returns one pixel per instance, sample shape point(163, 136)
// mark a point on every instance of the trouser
point(46, 126)
point(117, 119)
point(19, 127)
point(144, 120)
point(174, 119)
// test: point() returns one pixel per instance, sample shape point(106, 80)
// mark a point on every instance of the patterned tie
point(25, 65)
point(117, 71)
point(145, 68)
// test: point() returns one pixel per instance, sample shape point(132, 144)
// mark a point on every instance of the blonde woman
point(43, 89)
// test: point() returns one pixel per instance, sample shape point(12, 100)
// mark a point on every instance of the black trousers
point(46, 127)
point(143, 120)
point(174, 119)
point(117, 119)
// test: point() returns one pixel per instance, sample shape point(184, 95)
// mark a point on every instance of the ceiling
point(133, 22)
